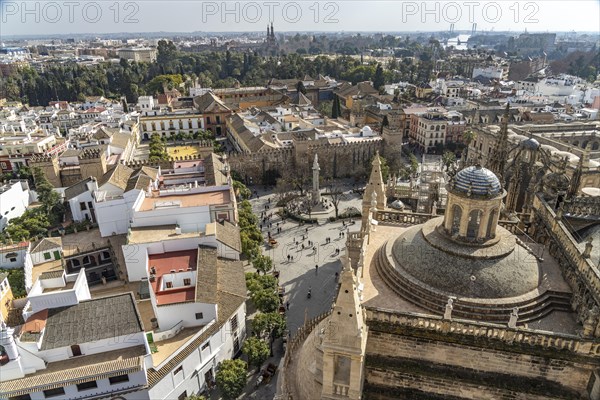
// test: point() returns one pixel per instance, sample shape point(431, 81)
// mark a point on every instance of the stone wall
point(413, 353)
point(335, 160)
point(579, 272)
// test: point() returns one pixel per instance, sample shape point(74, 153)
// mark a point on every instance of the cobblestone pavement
point(299, 275)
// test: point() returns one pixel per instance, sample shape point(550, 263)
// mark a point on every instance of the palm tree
point(467, 137)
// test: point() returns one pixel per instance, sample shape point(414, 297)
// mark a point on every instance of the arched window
point(473, 226)
point(595, 145)
point(456, 217)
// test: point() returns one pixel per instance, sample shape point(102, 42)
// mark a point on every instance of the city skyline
point(47, 18)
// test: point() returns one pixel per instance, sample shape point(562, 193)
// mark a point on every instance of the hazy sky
point(108, 16)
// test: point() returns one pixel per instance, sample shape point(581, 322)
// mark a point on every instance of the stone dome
point(477, 181)
point(529, 144)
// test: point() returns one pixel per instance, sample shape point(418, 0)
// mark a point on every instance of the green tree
point(300, 87)
point(257, 351)
point(166, 53)
point(336, 110)
point(157, 149)
point(195, 397)
point(467, 137)
point(448, 159)
point(231, 378)
point(241, 190)
point(159, 83)
point(16, 280)
point(266, 323)
point(378, 80)
point(266, 300)
point(51, 201)
point(262, 263)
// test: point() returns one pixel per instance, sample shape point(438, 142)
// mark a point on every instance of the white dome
point(366, 131)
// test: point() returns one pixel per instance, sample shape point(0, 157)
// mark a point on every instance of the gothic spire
point(576, 178)
point(345, 338)
point(376, 185)
point(497, 162)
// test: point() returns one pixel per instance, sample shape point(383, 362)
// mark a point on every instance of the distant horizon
point(168, 34)
point(48, 19)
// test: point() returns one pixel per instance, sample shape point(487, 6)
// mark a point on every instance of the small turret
point(7, 341)
point(345, 341)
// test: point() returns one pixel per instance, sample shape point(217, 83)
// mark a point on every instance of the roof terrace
point(173, 276)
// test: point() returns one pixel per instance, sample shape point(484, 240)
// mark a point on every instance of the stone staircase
point(531, 308)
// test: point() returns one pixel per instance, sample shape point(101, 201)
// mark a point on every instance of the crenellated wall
point(335, 160)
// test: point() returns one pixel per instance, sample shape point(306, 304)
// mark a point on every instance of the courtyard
point(183, 151)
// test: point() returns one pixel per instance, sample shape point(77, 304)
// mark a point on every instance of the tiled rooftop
point(77, 370)
point(91, 320)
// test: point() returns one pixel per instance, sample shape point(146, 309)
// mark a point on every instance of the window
point(76, 350)
point(199, 315)
point(87, 386)
point(236, 345)
point(205, 345)
point(54, 392)
point(47, 256)
point(168, 285)
point(26, 396)
point(187, 281)
point(118, 379)
point(234, 323)
point(82, 206)
point(178, 370)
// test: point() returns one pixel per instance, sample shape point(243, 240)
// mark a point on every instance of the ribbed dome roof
point(529, 144)
point(478, 181)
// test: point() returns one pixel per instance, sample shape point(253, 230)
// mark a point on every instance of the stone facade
point(337, 160)
point(413, 356)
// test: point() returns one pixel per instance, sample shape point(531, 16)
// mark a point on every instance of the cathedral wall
point(511, 363)
point(413, 387)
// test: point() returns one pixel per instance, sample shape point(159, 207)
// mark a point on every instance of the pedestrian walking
point(287, 305)
point(288, 257)
point(317, 269)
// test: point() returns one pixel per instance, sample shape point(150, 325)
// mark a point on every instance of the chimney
point(177, 230)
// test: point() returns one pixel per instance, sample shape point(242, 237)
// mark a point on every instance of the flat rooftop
point(164, 264)
point(157, 233)
point(183, 199)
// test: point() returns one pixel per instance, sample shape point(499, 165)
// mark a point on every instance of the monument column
point(316, 194)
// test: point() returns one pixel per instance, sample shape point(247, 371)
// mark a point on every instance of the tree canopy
point(231, 378)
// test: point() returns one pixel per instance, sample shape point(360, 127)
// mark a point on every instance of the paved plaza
point(300, 274)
